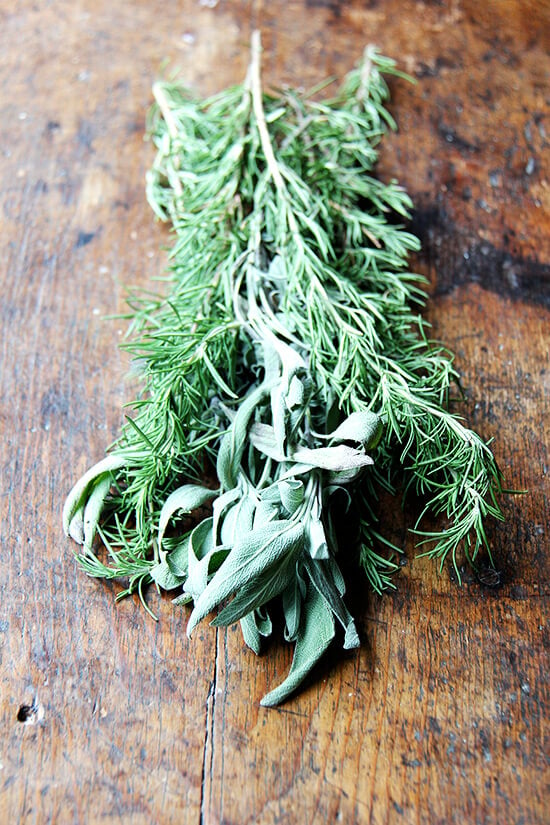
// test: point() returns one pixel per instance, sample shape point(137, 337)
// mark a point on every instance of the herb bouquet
point(288, 353)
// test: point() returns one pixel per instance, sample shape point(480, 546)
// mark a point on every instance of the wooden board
point(441, 716)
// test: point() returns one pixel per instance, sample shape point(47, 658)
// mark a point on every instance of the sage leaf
point(265, 513)
point(254, 625)
point(260, 590)
point(163, 576)
point(313, 638)
point(93, 509)
point(332, 458)
point(271, 494)
point(186, 498)
point(205, 557)
point(178, 558)
point(264, 439)
point(201, 541)
point(291, 492)
point(197, 580)
point(277, 271)
point(292, 609)
point(183, 598)
point(323, 579)
point(234, 441)
point(263, 621)
point(345, 477)
point(271, 363)
point(76, 500)
point(336, 574)
point(237, 521)
point(296, 393)
point(296, 470)
point(251, 634)
point(221, 504)
point(318, 546)
point(279, 413)
point(250, 558)
point(363, 427)
point(291, 360)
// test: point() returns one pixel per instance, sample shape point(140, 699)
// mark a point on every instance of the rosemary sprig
point(288, 352)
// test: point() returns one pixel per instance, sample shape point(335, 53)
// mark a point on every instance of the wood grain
point(106, 716)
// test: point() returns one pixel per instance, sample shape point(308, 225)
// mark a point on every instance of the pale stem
point(265, 140)
point(162, 102)
point(363, 92)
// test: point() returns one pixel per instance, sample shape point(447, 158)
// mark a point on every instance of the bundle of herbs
point(288, 353)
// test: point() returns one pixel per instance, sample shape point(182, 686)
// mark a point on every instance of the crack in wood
point(208, 737)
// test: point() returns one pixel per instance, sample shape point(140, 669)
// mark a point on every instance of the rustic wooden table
point(440, 717)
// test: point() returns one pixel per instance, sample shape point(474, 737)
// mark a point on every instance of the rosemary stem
point(257, 105)
point(363, 92)
point(162, 102)
point(256, 89)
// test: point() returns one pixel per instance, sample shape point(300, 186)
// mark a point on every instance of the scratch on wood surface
point(208, 753)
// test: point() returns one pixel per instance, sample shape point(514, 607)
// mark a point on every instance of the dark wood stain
point(459, 258)
point(84, 238)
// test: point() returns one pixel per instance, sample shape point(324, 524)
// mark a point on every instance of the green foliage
point(287, 351)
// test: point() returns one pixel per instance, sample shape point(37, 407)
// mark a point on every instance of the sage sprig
point(288, 353)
